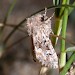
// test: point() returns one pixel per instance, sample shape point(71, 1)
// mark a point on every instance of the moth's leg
point(51, 32)
point(50, 35)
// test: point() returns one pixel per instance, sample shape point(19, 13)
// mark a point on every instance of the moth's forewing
point(33, 51)
point(40, 30)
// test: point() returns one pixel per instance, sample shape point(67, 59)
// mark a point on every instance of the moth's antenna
point(45, 11)
point(52, 16)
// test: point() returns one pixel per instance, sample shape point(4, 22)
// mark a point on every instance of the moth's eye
point(42, 18)
point(49, 54)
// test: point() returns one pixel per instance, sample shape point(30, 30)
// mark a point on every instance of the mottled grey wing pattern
point(39, 26)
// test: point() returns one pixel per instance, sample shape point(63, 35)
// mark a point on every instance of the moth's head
point(41, 17)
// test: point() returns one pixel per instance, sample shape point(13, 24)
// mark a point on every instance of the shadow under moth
point(39, 27)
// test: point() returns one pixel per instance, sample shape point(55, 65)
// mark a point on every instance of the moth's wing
point(33, 51)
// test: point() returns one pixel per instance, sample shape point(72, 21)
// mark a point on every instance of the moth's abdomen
point(45, 53)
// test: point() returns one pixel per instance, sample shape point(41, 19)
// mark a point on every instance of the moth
point(39, 27)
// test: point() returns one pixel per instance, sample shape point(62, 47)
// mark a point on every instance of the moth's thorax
point(34, 24)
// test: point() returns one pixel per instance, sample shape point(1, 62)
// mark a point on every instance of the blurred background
point(18, 59)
